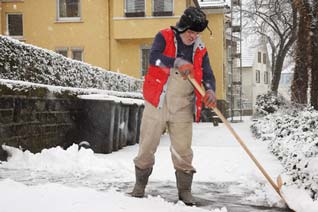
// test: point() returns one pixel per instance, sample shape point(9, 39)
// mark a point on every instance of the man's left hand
point(185, 67)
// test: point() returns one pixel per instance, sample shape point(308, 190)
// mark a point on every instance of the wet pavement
point(208, 195)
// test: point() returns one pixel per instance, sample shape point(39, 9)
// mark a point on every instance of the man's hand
point(185, 67)
point(209, 99)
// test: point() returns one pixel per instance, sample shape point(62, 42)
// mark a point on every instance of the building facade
point(256, 74)
point(113, 34)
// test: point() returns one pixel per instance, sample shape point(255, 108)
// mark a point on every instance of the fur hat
point(193, 19)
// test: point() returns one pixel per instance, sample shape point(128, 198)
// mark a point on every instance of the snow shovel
point(240, 141)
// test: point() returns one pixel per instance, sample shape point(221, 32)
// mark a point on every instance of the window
point(77, 54)
point(135, 8)
point(259, 57)
point(15, 25)
point(69, 9)
point(62, 51)
point(264, 58)
point(266, 77)
point(258, 76)
point(162, 7)
point(144, 60)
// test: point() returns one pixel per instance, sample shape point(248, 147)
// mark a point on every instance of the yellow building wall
point(215, 47)
point(126, 56)
point(41, 28)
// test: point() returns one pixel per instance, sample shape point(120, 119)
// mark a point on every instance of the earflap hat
point(192, 18)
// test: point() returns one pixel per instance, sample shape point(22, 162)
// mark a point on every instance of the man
point(170, 99)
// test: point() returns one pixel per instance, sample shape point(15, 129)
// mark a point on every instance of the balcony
point(140, 27)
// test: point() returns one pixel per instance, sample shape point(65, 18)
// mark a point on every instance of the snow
point(92, 93)
point(80, 180)
point(55, 197)
point(77, 179)
point(293, 139)
point(305, 203)
point(213, 3)
point(217, 158)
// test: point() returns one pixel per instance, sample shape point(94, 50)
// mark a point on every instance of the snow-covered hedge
point(20, 61)
point(268, 103)
point(293, 137)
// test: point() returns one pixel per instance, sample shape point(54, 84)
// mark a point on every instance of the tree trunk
point(314, 67)
point(278, 68)
point(300, 81)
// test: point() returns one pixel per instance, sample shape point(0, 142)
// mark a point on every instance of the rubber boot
point(184, 182)
point(142, 176)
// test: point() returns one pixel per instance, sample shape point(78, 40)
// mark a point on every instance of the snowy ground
point(72, 180)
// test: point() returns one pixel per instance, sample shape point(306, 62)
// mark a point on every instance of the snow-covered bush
point(268, 103)
point(20, 61)
point(293, 137)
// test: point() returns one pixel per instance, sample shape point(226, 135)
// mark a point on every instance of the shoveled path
point(209, 195)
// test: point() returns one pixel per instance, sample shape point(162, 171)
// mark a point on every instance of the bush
point(268, 103)
point(292, 137)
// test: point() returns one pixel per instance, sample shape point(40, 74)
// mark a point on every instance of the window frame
point(259, 57)
point(60, 49)
point(266, 77)
point(258, 76)
point(68, 19)
point(7, 26)
point(77, 49)
point(135, 13)
point(144, 70)
point(264, 58)
point(162, 13)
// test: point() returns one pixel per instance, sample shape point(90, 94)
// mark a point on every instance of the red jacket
point(157, 76)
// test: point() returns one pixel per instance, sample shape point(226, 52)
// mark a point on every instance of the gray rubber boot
point(184, 183)
point(142, 176)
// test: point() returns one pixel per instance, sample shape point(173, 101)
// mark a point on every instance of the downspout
point(109, 35)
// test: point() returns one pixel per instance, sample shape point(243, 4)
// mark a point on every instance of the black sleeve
point(208, 76)
point(156, 53)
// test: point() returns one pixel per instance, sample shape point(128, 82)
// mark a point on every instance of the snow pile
point(74, 160)
point(293, 138)
point(20, 61)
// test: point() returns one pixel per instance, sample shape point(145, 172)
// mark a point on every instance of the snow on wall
point(20, 61)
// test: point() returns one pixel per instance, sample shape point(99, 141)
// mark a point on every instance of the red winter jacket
point(157, 76)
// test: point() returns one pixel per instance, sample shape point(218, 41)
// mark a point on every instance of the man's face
point(189, 36)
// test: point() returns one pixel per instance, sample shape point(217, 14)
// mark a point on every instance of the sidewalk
point(226, 176)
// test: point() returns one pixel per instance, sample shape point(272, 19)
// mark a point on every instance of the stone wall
point(37, 118)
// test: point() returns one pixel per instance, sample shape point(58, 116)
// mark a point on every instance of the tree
point(300, 81)
point(275, 20)
point(306, 68)
point(314, 47)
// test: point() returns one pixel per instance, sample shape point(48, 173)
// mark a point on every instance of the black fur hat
point(193, 18)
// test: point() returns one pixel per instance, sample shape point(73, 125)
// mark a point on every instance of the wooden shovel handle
point(227, 124)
